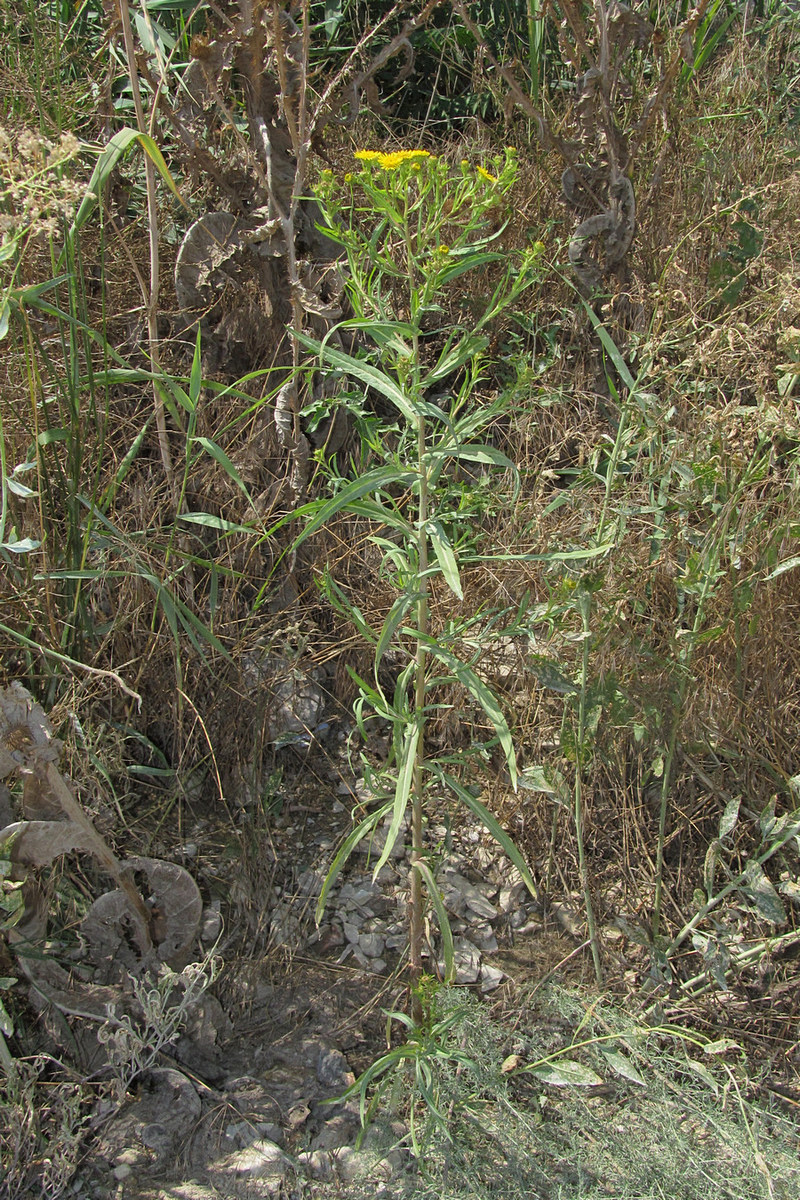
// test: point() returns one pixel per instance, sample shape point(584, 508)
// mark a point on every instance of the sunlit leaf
point(566, 1072)
point(448, 951)
point(621, 1065)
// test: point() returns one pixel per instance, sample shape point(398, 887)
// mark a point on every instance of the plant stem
point(150, 299)
point(416, 926)
point(585, 609)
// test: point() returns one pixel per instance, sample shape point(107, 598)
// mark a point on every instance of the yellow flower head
point(395, 159)
point(442, 249)
point(390, 162)
point(485, 175)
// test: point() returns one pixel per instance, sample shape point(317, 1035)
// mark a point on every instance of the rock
point(339, 1131)
point(310, 883)
point(261, 1160)
point(211, 923)
point(333, 1069)
point(511, 896)
point(355, 1164)
point(460, 894)
point(491, 978)
point(371, 944)
point(123, 1171)
point(467, 961)
point(316, 1164)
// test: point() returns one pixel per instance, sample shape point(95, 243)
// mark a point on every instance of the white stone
point(491, 978)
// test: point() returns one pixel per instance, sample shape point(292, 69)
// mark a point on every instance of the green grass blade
point(219, 455)
point(110, 156)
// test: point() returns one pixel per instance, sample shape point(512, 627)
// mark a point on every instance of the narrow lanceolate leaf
point(483, 694)
point(454, 357)
point(221, 457)
point(611, 349)
point(393, 621)
point(367, 374)
point(469, 262)
point(373, 481)
point(477, 452)
point(405, 778)
point(373, 510)
point(788, 564)
point(362, 830)
point(565, 1073)
point(490, 823)
point(196, 377)
point(212, 522)
point(448, 949)
point(445, 556)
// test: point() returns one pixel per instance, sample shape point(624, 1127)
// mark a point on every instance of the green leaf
point(490, 824)
point(405, 778)
point(321, 512)
point(464, 261)
point(373, 510)
point(196, 376)
point(621, 1065)
point(221, 457)
point(390, 626)
point(23, 546)
point(212, 522)
point(445, 557)
point(369, 375)
point(789, 564)
point(729, 818)
point(565, 1073)
point(549, 675)
point(611, 348)
point(448, 950)
point(477, 452)
point(548, 780)
point(454, 357)
point(6, 1023)
point(110, 156)
point(759, 890)
point(482, 693)
point(365, 827)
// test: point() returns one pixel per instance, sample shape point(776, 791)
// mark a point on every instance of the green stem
point(585, 608)
point(416, 923)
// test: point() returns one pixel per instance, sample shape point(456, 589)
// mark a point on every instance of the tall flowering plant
point(410, 225)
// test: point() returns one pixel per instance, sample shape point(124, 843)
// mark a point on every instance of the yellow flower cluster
point(390, 162)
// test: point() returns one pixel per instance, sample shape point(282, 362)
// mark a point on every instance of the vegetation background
point(631, 603)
